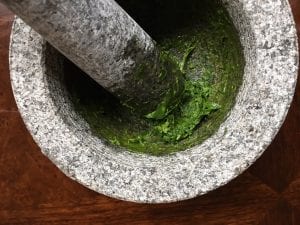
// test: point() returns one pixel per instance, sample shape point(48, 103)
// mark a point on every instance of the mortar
point(268, 36)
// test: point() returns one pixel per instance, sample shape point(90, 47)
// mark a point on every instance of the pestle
point(106, 43)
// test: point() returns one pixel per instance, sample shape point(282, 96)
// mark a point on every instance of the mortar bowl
point(268, 36)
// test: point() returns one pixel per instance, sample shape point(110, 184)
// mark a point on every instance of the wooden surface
point(33, 191)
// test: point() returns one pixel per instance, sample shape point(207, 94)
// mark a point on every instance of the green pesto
point(209, 55)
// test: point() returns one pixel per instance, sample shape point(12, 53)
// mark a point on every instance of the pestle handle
point(101, 39)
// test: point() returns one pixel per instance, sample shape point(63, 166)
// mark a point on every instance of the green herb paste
point(200, 38)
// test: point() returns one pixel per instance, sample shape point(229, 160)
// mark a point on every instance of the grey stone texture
point(268, 35)
point(104, 41)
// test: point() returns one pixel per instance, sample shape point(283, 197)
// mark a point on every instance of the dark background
point(33, 191)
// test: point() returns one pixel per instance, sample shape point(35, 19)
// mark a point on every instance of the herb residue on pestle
point(201, 40)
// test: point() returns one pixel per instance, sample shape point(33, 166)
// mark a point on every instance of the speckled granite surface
point(270, 43)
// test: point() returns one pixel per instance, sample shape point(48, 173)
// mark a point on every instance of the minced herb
point(202, 41)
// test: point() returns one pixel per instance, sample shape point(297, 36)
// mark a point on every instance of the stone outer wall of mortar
point(262, 104)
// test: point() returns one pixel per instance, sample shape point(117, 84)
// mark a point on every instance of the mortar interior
point(175, 25)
